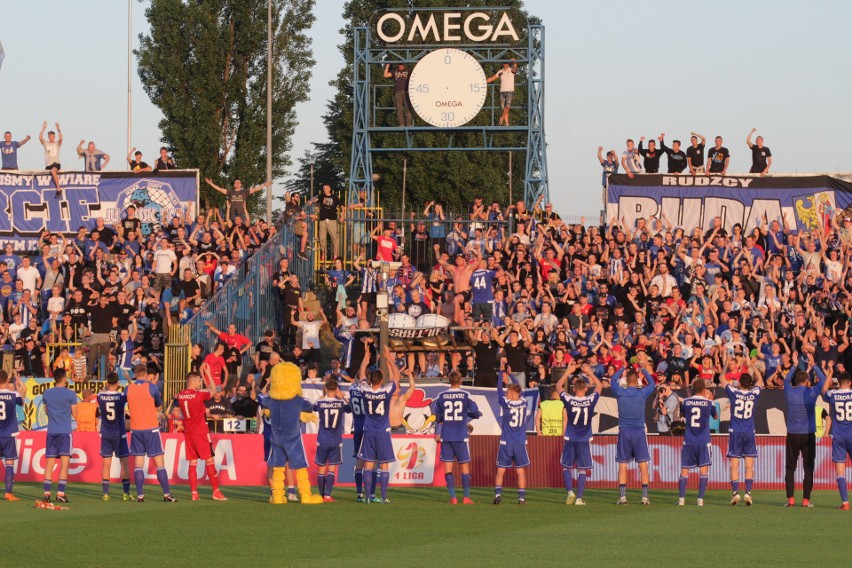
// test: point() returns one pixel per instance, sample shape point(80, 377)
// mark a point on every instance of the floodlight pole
point(269, 110)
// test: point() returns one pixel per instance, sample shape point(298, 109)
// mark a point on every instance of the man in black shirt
point(244, 402)
point(400, 93)
point(651, 155)
point(31, 359)
point(677, 157)
point(130, 223)
point(486, 359)
point(292, 306)
point(164, 162)
point(695, 154)
point(103, 316)
point(237, 197)
point(190, 288)
point(719, 157)
point(761, 157)
point(328, 206)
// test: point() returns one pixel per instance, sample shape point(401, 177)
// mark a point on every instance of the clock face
point(447, 88)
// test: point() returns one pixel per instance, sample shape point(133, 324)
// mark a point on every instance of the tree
point(452, 177)
point(204, 65)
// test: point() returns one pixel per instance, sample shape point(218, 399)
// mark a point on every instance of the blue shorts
point(512, 454)
point(57, 445)
point(742, 445)
point(267, 449)
point(840, 448)
point(8, 449)
point(377, 447)
point(114, 447)
point(455, 451)
point(329, 455)
point(288, 453)
point(576, 455)
point(357, 437)
point(694, 456)
point(632, 445)
point(146, 443)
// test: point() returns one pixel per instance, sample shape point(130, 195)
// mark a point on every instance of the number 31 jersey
point(581, 410)
point(742, 408)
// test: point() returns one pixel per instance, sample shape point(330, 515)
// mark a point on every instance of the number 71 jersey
point(742, 408)
point(581, 410)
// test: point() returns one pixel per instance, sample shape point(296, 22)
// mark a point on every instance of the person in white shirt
point(664, 281)
point(165, 264)
point(311, 335)
point(29, 275)
point(507, 88)
point(51, 153)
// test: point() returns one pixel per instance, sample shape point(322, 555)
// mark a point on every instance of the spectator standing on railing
point(719, 157)
point(329, 208)
point(51, 153)
point(651, 155)
point(94, 159)
point(677, 157)
point(400, 93)
point(164, 161)
point(630, 160)
point(9, 150)
point(135, 162)
point(506, 74)
point(695, 154)
point(761, 157)
point(237, 197)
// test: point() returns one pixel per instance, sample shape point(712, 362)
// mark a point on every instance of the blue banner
point(31, 206)
point(803, 202)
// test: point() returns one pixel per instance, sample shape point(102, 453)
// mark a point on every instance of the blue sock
point(581, 484)
point(291, 490)
point(47, 485)
point(373, 483)
point(749, 483)
point(644, 491)
point(622, 490)
point(681, 486)
point(466, 484)
point(498, 490)
point(105, 486)
point(321, 483)
point(568, 479)
point(329, 483)
point(139, 478)
point(60, 487)
point(451, 484)
point(125, 484)
point(841, 485)
point(163, 478)
point(10, 478)
point(359, 481)
point(385, 475)
point(735, 486)
point(368, 480)
point(702, 486)
point(522, 494)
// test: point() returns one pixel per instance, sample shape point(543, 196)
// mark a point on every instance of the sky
point(614, 70)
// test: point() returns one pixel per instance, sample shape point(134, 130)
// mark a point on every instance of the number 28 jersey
point(742, 408)
point(581, 410)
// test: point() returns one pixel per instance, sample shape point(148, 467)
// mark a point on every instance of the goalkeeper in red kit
point(197, 443)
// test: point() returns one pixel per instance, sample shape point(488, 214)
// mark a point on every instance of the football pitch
point(420, 528)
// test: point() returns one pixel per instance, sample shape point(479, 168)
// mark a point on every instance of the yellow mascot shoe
point(279, 494)
point(304, 486)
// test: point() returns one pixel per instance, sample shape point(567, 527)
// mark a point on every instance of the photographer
point(667, 411)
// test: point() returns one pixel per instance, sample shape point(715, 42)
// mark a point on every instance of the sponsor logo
point(706, 181)
point(428, 27)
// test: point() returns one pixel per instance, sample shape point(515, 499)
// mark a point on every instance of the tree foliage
point(204, 65)
point(452, 177)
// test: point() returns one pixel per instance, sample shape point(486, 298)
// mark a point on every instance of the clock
point(447, 88)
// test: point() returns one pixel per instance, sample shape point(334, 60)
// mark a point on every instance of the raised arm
point(208, 181)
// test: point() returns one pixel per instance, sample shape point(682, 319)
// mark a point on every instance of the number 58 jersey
point(742, 408)
point(581, 410)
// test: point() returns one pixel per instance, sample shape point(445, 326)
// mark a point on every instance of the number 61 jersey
point(742, 408)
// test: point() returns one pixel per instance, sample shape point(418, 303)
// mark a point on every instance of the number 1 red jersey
point(192, 407)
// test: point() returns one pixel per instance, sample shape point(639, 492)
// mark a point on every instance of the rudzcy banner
point(805, 202)
point(30, 206)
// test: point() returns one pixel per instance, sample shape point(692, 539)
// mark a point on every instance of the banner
point(806, 202)
point(29, 201)
point(32, 415)
point(418, 417)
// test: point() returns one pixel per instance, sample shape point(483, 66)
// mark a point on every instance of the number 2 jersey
point(697, 411)
point(9, 400)
point(194, 411)
point(453, 409)
point(111, 406)
point(742, 408)
point(581, 410)
point(513, 429)
point(840, 401)
point(331, 411)
point(377, 407)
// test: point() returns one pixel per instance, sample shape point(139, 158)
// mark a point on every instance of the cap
point(617, 349)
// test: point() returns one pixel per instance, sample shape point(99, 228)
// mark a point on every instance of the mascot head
point(285, 381)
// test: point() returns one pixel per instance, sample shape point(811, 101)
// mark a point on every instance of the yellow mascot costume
point(287, 409)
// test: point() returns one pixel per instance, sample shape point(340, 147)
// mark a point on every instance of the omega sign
point(430, 27)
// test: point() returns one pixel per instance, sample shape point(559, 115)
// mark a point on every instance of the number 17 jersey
point(742, 408)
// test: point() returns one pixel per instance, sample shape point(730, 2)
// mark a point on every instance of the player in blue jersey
point(741, 438)
point(482, 283)
point(632, 441)
point(695, 453)
point(801, 425)
point(113, 428)
point(331, 408)
point(60, 405)
point(356, 403)
point(376, 445)
point(576, 450)
point(453, 410)
point(840, 409)
point(513, 437)
point(9, 400)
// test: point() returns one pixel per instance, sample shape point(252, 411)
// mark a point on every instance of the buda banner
point(805, 202)
point(30, 206)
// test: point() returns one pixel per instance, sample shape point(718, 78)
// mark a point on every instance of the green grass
point(419, 528)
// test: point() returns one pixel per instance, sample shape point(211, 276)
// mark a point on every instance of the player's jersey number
point(378, 410)
point(578, 412)
point(743, 409)
point(330, 418)
point(453, 410)
point(516, 419)
point(842, 411)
